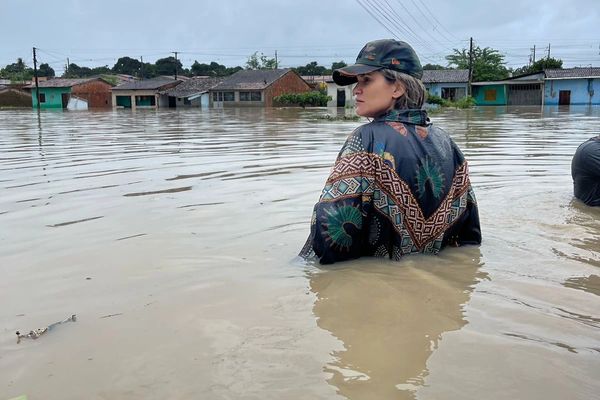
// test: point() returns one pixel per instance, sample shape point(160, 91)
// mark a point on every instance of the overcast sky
point(97, 32)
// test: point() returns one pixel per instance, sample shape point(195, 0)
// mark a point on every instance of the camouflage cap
point(379, 54)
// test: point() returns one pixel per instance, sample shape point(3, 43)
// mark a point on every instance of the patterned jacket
point(399, 186)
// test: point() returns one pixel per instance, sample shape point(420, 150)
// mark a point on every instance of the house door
point(564, 98)
point(341, 98)
point(172, 102)
point(65, 100)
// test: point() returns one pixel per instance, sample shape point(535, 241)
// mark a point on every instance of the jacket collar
point(415, 117)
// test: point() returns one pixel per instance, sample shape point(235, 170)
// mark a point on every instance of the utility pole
point(276, 64)
point(469, 90)
point(175, 52)
point(534, 53)
point(548, 50)
point(68, 66)
point(142, 68)
point(35, 74)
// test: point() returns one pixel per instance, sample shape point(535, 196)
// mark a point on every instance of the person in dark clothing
point(585, 170)
point(400, 185)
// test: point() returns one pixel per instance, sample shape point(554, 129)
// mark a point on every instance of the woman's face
point(375, 95)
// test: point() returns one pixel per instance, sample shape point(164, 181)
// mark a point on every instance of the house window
point(228, 96)
point(187, 101)
point(147, 101)
point(449, 93)
point(490, 95)
point(250, 96)
point(217, 96)
point(42, 97)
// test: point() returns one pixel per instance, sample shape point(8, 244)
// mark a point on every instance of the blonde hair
point(414, 97)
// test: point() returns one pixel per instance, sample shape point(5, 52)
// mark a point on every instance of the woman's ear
point(399, 90)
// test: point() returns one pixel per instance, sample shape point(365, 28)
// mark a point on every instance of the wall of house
point(53, 97)
point(479, 93)
point(332, 91)
point(181, 102)
point(436, 88)
point(96, 93)
point(132, 95)
point(236, 99)
point(77, 104)
point(288, 83)
point(204, 100)
point(583, 91)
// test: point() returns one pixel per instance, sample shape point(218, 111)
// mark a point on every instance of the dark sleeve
point(338, 218)
point(466, 229)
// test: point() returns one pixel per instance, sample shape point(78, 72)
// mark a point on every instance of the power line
point(383, 14)
point(436, 20)
point(426, 18)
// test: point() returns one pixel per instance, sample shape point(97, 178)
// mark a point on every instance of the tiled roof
point(148, 84)
point(445, 75)
point(251, 79)
point(193, 86)
point(317, 78)
point(61, 82)
point(585, 72)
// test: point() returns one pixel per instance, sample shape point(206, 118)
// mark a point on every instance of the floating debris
point(39, 332)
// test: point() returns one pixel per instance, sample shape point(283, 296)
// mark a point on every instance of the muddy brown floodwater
point(172, 236)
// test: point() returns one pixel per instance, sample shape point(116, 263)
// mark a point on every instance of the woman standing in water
point(399, 185)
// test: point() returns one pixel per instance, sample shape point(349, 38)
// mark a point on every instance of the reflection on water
point(391, 318)
point(181, 225)
point(590, 284)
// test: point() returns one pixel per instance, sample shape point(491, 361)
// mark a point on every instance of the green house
point(489, 93)
point(65, 93)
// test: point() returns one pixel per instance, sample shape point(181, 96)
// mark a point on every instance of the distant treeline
point(487, 64)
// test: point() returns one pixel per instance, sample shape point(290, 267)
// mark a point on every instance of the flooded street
point(172, 236)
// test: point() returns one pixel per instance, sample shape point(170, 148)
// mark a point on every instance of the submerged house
point(12, 97)
point(143, 94)
point(519, 90)
point(569, 86)
point(73, 94)
point(449, 84)
point(256, 88)
point(193, 92)
point(572, 86)
point(341, 96)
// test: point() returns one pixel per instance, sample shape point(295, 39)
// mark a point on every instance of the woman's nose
point(356, 89)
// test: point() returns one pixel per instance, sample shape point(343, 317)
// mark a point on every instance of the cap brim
point(347, 75)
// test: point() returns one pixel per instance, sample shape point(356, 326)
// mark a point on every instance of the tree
point(260, 62)
point(539, 66)
point(127, 66)
point(167, 65)
point(46, 70)
point(212, 69)
point(433, 67)
point(75, 71)
point(488, 63)
point(17, 72)
point(311, 68)
point(338, 64)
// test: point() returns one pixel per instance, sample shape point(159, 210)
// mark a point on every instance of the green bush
point(433, 99)
point(306, 99)
point(465, 102)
